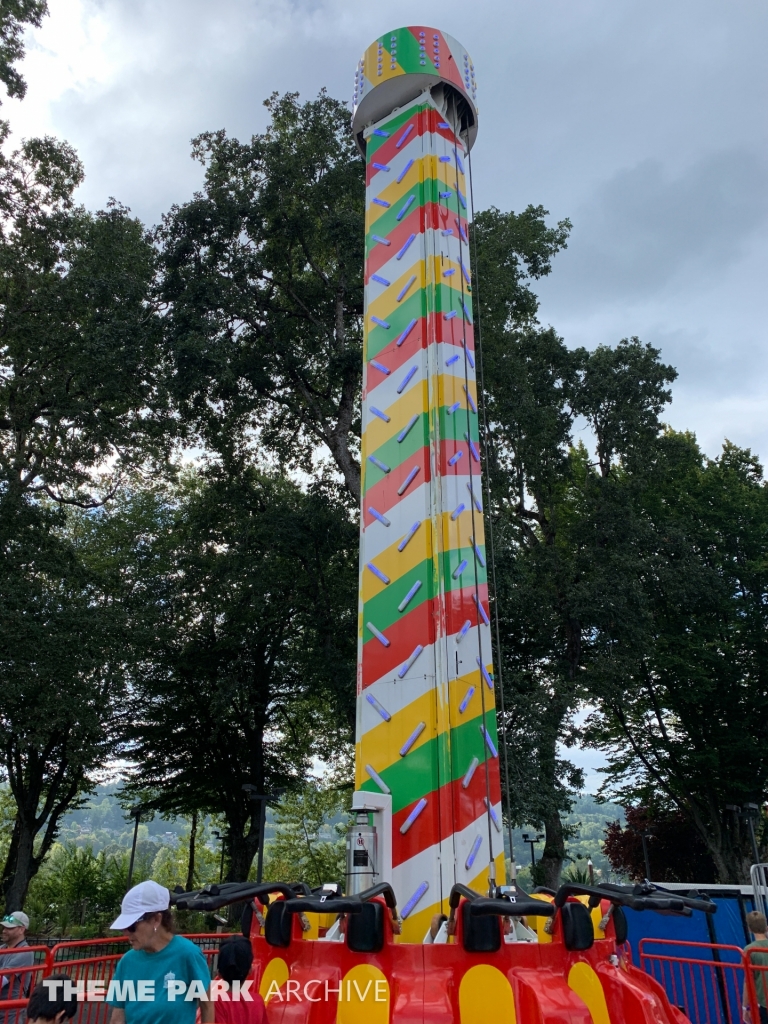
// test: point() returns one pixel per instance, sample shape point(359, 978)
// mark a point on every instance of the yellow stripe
point(416, 924)
point(377, 432)
point(394, 563)
point(381, 745)
point(423, 169)
point(387, 302)
point(450, 389)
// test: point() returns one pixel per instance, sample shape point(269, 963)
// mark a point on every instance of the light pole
point(751, 811)
point(531, 839)
point(644, 833)
point(135, 813)
point(264, 799)
point(591, 870)
point(220, 837)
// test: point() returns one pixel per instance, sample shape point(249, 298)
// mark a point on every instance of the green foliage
point(263, 273)
point(253, 670)
point(15, 16)
point(309, 844)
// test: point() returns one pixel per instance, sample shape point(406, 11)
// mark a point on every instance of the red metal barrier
point(23, 979)
point(706, 983)
point(92, 962)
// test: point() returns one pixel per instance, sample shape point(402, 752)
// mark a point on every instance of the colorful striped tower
point(426, 720)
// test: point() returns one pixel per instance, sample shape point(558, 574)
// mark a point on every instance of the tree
point(552, 528)
point(60, 674)
point(263, 273)
point(81, 401)
point(14, 16)
point(253, 593)
point(308, 846)
point(82, 397)
point(676, 852)
point(680, 670)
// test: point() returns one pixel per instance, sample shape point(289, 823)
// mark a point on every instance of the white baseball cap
point(18, 919)
point(144, 898)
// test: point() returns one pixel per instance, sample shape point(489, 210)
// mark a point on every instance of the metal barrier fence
point(89, 961)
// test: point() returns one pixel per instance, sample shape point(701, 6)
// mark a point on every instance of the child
point(235, 961)
point(50, 1009)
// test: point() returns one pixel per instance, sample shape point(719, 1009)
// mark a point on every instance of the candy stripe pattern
point(418, 326)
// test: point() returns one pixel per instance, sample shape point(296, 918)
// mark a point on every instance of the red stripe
point(458, 809)
point(393, 357)
point(383, 495)
point(418, 627)
point(430, 215)
point(448, 331)
point(388, 150)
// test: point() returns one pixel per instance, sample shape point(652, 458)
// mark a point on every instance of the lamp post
point(264, 799)
point(750, 812)
point(644, 833)
point(531, 839)
point(135, 813)
point(591, 870)
point(220, 837)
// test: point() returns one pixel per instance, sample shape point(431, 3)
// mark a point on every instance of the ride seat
point(365, 931)
point(278, 924)
point(578, 931)
point(480, 934)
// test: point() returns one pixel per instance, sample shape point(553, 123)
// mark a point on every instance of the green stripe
point(387, 220)
point(375, 142)
point(393, 453)
point(453, 426)
point(445, 297)
point(415, 775)
point(426, 191)
point(382, 609)
point(379, 337)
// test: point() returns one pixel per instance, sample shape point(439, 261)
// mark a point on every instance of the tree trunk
point(20, 867)
point(242, 849)
point(554, 851)
point(190, 884)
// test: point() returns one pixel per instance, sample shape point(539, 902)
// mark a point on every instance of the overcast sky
point(644, 121)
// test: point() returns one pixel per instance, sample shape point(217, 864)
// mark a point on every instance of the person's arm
point(207, 1012)
point(118, 1016)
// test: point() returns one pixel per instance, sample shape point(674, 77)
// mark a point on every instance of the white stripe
point(415, 505)
point(413, 149)
point(377, 538)
point(394, 695)
point(452, 853)
point(384, 389)
point(430, 241)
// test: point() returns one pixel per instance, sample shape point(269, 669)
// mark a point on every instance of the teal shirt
point(180, 961)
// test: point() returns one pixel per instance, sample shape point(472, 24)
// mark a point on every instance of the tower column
point(426, 720)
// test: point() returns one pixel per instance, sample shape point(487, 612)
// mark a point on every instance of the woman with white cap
point(163, 977)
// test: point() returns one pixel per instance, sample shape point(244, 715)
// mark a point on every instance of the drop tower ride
point(426, 742)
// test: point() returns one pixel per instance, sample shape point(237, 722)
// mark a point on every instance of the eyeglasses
point(132, 927)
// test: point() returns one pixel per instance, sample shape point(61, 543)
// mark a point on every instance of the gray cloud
point(643, 121)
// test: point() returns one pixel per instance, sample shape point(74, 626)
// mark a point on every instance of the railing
point(707, 981)
point(87, 961)
point(17, 982)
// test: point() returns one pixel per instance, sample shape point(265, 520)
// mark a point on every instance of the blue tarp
point(705, 993)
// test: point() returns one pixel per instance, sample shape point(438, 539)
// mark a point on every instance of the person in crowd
point(14, 952)
point(49, 1004)
point(235, 962)
point(757, 952)
point(173, 965)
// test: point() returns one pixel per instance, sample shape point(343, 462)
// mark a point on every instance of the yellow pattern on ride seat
point(486, 995)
